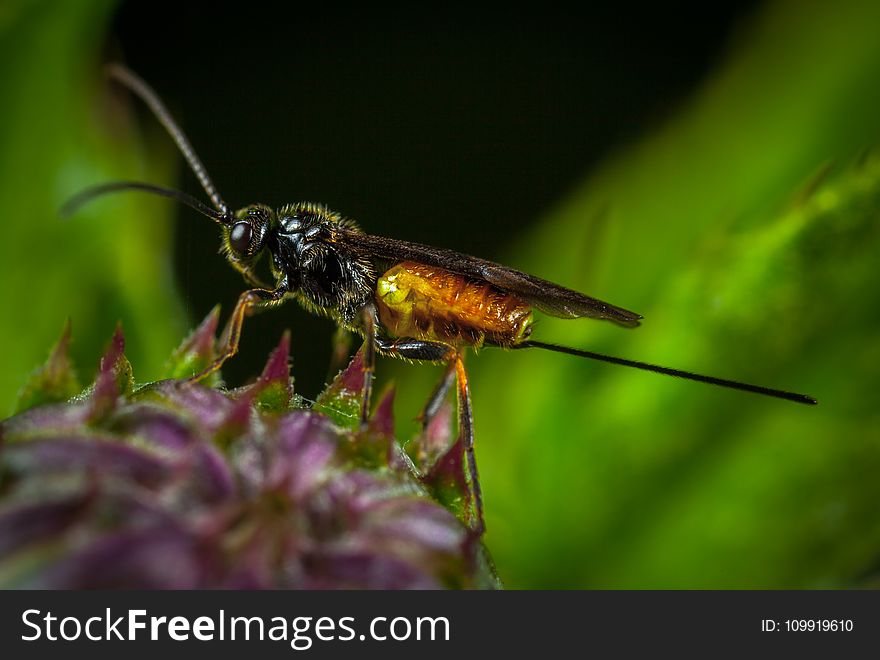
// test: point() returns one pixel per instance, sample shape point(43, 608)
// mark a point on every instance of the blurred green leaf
point(714, 227)
point(65, 128)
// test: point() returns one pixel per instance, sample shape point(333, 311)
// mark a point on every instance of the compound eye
point(240, 237)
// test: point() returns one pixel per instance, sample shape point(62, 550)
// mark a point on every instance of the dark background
point(452, 127)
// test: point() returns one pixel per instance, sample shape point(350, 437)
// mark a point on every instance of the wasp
point(405, 300)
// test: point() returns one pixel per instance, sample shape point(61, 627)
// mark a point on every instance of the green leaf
point(64, 128)
point(745, 266)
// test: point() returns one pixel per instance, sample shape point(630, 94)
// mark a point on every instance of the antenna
point(149, 96)
point(73, 204)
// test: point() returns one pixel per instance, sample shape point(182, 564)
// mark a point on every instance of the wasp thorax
point(306, 229)
point(308, 253)
point(312, 221)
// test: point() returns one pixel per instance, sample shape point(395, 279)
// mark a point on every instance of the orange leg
point(415, 349)
point(248, 302)
point(466, 433)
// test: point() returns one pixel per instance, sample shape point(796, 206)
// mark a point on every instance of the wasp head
point(246, 233)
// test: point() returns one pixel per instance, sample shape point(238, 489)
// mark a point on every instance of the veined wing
point(545, 296)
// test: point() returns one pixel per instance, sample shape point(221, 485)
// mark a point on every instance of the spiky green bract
point(54, 381)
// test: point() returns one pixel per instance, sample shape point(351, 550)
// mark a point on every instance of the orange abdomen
point(425, 302)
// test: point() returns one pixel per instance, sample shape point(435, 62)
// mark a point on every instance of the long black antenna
point(73, 204)
point(149, 96)
point(732, 384)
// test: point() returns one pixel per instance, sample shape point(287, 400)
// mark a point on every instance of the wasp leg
point(248, 302)
point(369, 367)
point(411, 349)
point(432, 405)
point(249, 276)
point(466, 431)
point(415, 349)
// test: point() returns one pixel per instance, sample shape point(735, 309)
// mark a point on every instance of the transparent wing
point(545, 296)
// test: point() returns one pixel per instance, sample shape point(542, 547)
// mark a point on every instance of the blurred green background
point(711, 168)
